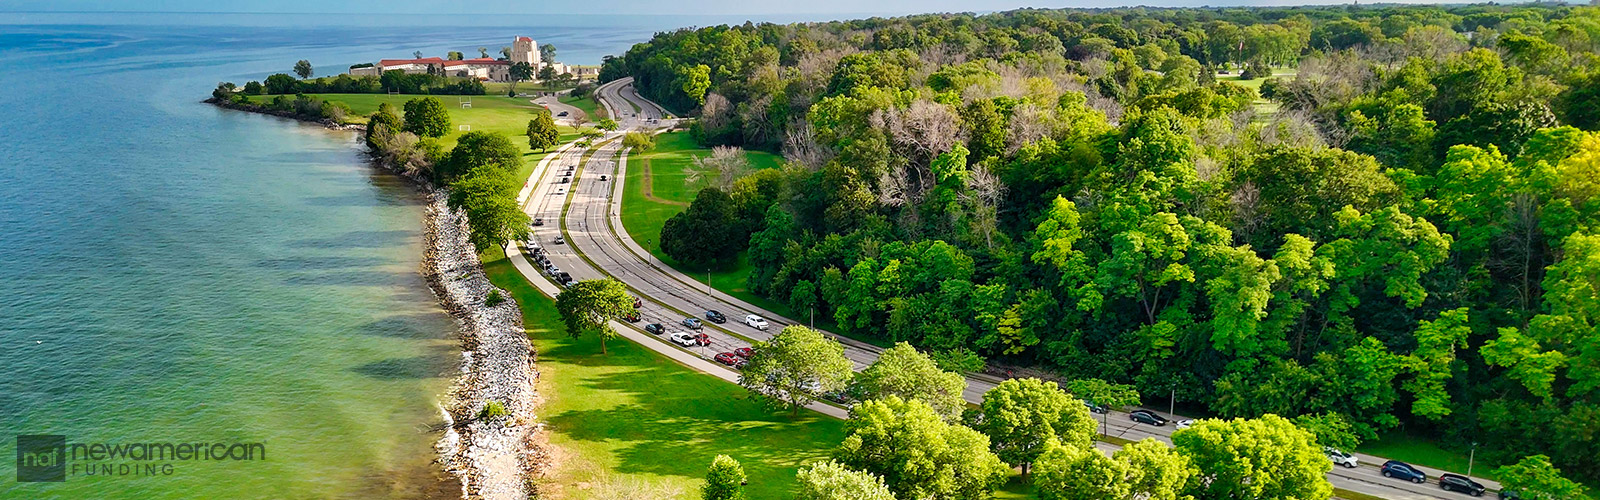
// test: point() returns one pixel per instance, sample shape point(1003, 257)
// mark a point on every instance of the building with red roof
point(523, 49)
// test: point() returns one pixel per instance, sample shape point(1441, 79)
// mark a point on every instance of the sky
point(652, 7)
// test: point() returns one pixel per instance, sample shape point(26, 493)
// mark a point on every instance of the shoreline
point(495, 459)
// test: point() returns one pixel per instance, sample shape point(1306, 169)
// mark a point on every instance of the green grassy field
point(488, 114)
point(1421, 451)
point(1263, 107)
point(633, 417)
point(586, 104)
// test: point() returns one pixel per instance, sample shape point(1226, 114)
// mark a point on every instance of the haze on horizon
point(607, 7)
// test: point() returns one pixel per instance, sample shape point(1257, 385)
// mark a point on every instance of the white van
point(755, 322)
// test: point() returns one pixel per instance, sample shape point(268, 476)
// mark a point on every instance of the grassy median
point(633, 417)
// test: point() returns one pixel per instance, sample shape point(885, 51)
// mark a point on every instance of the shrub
point(493, 410)
point(494, 298)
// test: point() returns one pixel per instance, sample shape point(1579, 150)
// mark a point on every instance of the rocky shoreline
point(492, 458)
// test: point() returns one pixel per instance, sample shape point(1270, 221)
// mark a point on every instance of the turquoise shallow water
point(173, 272)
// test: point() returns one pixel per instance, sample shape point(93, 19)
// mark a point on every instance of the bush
point(639, 142)
point(493, 410)
point(494, 298)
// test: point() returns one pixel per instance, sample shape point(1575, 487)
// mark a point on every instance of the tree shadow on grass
point(670, 420)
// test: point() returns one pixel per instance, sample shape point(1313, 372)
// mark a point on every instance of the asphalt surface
point(585, 211)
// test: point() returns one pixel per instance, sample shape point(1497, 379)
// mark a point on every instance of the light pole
point(1172, 405)
point(708, 283)
point(1470, 456)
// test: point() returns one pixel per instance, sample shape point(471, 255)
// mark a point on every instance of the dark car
point(729, 359)
point(716, 317)
point(1147, 417)
point(1460, 484)
point(1509, 495)
point(655, 329)
point(538, 221)
point(563, 113)
point(1094, 408)
point(1401, 470)
point(743, 352)
point(602, 178)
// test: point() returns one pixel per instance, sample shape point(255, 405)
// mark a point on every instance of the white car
point(1185, 423)
point(1339, 457)
point(756, 322)
point(682, 339)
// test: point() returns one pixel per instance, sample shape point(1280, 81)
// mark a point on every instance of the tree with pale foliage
point(1024, 416)
point(1154, 470)
point(589, 306)
point(795, 368)
point(918, 454)
point(905, 372)
point(1068, 473)
point(726, 163)
point(303, 68)
point(1268, 458)
point(1534, 478)
point(725, 480)
point(831, 480)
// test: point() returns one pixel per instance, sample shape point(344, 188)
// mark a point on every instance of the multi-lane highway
point(567, 193)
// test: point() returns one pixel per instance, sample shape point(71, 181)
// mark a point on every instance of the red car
point(632, 317)
point(702, 339)
point(729, 359)
point(743, 352)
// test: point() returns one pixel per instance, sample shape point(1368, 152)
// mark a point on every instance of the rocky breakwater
point(493, 456)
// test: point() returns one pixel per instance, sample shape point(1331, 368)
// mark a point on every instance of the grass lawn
point(586, 104)
point(1264, 108)
point(1421, 451)
point(633, 417)
point(644, 213)
point(489, 113)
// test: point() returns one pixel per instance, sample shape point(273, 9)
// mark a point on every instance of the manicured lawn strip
point(584, 103)
point(633, 414)
point(1353, 495)
point(1420, 451)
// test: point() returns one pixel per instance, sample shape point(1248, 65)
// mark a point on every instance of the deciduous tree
point(795, 368)
point(588, 307)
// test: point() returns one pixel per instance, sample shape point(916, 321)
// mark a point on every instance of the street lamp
point(1473, 454)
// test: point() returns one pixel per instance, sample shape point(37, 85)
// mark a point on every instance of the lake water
point(175, 273)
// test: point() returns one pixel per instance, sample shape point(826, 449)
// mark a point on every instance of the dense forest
point(1396, 229)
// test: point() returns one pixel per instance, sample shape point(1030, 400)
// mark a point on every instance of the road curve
point(598, 247)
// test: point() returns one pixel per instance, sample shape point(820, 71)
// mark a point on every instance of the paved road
point(592, 224)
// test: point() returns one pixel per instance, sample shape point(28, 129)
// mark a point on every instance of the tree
point(483, 52)
point(1023, 417)
point(699, 235)
point(480, 149)
point(831, 480)
point(303, 68)
point(795, 368)
point(1330, 429)
point(454, 55)
point(728, 163)
point(905, 372)
point(724, 480)
point(427, 117)
point(385, 118)
point(488, 196)
point(254, 88)
point(1154, 470)
point(279, 83)
point(1267, 458)
point(694, 81)
point(542, 133)
point(606, 124)
point(918, 454)
point(547, 53)
point(521, 72)
point(1535, 479)
point(416, 54)
point(639, 142)
point(1067, 473)
point(589, 306)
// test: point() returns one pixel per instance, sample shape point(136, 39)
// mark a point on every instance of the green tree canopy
point(1024, 416)
point(426, 117)
point(795, 368)
point(917, 453)
point(589, 306)
point(905, 372)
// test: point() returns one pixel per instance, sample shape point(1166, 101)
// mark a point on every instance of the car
point(682, 339)
point(1339, 457)
point(1401, 470)
point(692, 323)
point(1460, 484)
point(1509, 495)
point(716, 317)
point(538, 221)
point(637, 303)
point(563, 113)
point(565, 180)
point(1183, 424)
point(602, 178)
point(756, 322)
point(1147, 417)
point(655, 329)
point(632, 317)
point(561, 240)
point(729, 359)
point(743, 352)
point(701, 339)
point(1094, 408)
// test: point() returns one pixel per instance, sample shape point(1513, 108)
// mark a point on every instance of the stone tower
point(525, 50)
